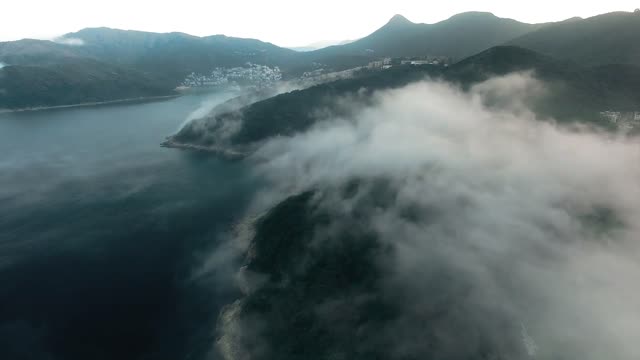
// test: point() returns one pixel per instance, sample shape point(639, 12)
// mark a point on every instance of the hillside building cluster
point(423, 60)
point(625, 121)
point(385, 63)
point(250, 75)
point(322, 75)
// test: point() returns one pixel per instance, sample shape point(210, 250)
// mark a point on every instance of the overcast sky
point(283, 22)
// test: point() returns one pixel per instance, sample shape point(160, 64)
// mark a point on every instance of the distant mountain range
point(101, 57)
point(459, 36)
point(127, 59)
point(174, 55)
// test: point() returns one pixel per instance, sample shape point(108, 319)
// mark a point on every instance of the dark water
point(101, 230)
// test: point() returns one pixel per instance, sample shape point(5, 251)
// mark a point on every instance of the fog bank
point(526, 232)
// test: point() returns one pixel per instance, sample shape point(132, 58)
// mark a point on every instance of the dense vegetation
point(108, 64)
point(302, 276)
point(295, 111)
point(172, 56)
point(575, 92)
point(605, 39)
point(73, 82)
point(317, 289)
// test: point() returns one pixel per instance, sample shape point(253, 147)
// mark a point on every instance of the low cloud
point(70, 41)
point(204, 110)
point(524, 230)
point(213, 124)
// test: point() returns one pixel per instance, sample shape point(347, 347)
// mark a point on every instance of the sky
point(282, 22)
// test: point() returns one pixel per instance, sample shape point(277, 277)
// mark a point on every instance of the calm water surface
point(101, 230)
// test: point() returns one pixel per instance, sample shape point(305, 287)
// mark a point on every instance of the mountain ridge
point(458, 36)
point(602, 39)
point(573, 92)
point(167, 58)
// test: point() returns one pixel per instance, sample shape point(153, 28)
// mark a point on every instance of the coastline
point(89, 104)
point(226, 153)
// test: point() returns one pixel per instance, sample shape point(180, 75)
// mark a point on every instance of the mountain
point(313, 278)
point(457, 37)
point(165, 59)
point(102, 64)
point(172, 56)
point(502, 60)
point(41, 73)
point(36, 52)
point(573, 92)
point(73, 82)
point(604, 39)
point(288, 113)
point(306, 277)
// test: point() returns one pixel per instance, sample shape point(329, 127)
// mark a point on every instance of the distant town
point(253, 75)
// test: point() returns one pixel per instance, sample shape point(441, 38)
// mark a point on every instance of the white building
point(376, 64)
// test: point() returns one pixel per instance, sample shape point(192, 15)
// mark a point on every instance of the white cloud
point(69, 41)
point(537, 223)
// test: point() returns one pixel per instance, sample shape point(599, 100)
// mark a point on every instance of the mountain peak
point(398, 19)
point(474, 15)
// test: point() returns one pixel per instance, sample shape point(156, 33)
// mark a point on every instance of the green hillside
point(612, 38)
point(574, 93)
point(74, 82)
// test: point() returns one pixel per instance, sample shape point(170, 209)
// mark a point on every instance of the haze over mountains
point(164, 60)
point(606, 39)
point(573, 92)
point(320, 45)
point(172, 56)
point(464, 190)
point(459, 36)
point(444, 212)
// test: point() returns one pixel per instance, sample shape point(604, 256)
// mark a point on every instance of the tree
point(636, 11)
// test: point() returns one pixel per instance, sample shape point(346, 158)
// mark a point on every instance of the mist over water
point(512, 237)
point(100, 231)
